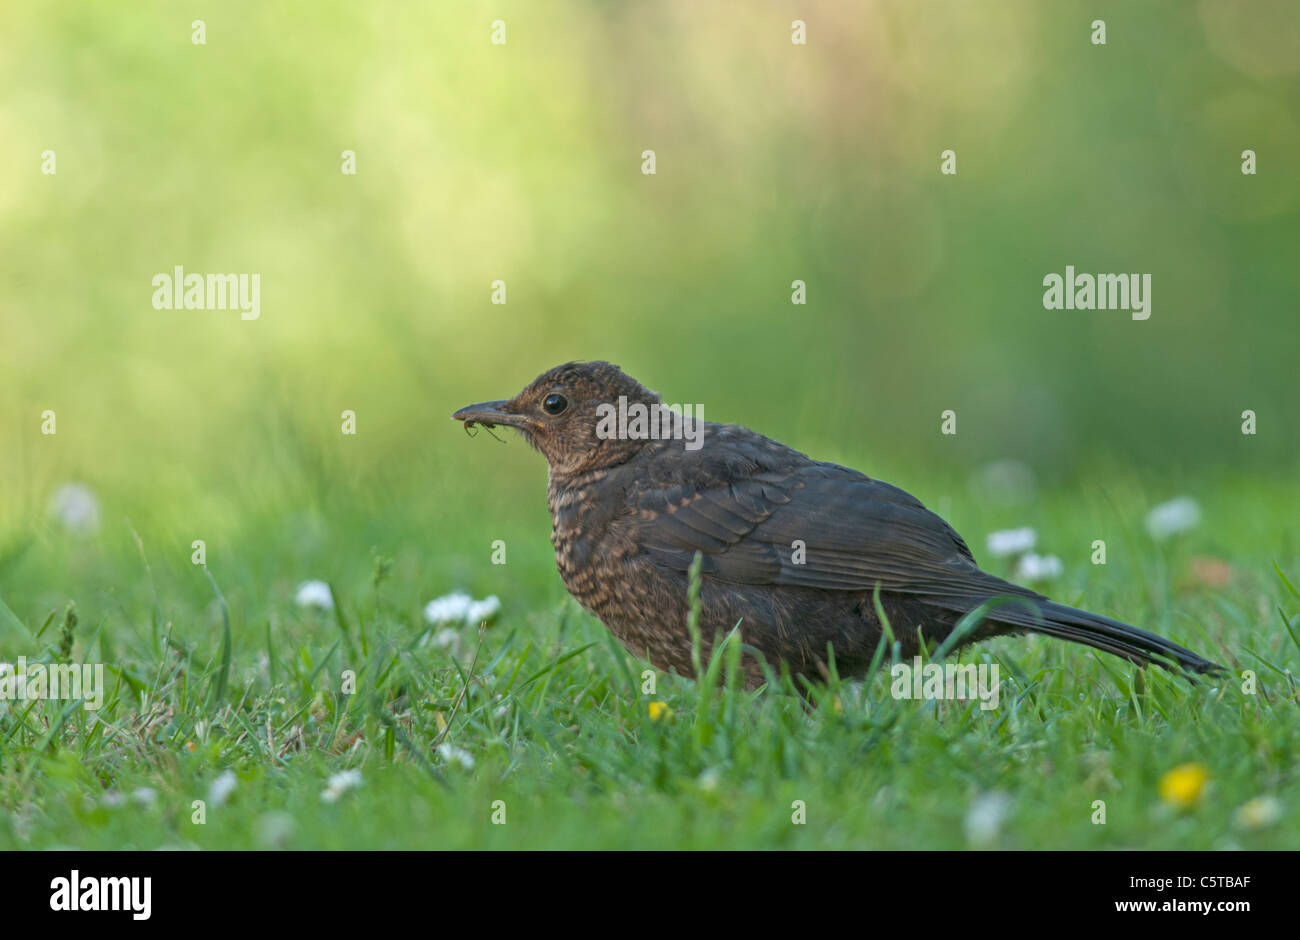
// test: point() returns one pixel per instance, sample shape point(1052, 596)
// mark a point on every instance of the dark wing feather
point(857, 532)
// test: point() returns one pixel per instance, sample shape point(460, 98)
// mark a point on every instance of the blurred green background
point(522, 162)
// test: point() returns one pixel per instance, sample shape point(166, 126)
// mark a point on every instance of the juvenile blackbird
point(630, 513)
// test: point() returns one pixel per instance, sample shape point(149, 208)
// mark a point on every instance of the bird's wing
point(820, 526)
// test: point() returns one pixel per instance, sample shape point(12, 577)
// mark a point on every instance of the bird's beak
point(489, 414)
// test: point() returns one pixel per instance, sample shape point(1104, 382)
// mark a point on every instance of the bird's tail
point(1080, 626)
point(1015, 609)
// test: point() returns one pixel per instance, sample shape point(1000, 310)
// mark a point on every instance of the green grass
point(552, 713)
point(776, 162)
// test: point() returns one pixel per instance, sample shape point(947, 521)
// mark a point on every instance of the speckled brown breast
point(643, 613)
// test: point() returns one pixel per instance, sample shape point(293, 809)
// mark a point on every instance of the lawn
point(843, 244)
point(534, 730)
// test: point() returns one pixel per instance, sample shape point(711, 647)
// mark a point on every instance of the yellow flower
point(1182, 787)
point(660, 711)
point(189, 746)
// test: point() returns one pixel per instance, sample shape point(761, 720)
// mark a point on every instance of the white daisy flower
point(1177, 515)
point(314, 594)
point(340, 783)
point(1259, 813)
point(1033, 567)
point(76, 506)
point(1012, 542)
point(221, 788)
point(480, 611)
point(446, 640)
point(145, 796)
point(449, 607)
point(456, 755)
point(984, 819)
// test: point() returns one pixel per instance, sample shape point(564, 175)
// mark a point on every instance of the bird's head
point(565, 414)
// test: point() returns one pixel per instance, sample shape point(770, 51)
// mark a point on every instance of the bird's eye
point(554, 403)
